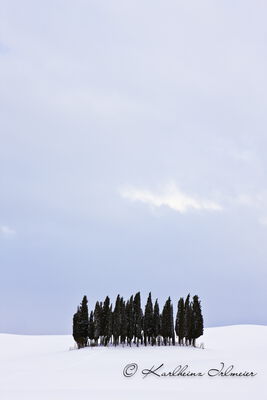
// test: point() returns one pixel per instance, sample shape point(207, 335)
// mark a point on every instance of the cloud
point(263, 221)
point(3, 48)
point(6, 230)
point(246, 156)
point(170, 197)
point(256, 203)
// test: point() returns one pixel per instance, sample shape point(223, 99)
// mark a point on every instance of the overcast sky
point(132, 157)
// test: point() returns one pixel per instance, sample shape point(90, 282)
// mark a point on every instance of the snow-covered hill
point(43, 368)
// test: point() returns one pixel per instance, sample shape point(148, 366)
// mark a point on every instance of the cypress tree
point(130, 320)
point(161, 327)
point(105, 322)
point(83, 321)
point(91, 330)
point(117, 321)
point(197, 319)
point(188, 321)
point(179, 323)
point(148, 320)
point(75, 328)
point(101, 331)
point(171, 324)
point(80, 324)
point(138, 316)
point(164, 323)
point(110, 325)
point(156, 324)
point(167, 323)
point(97, 321)
point(123, 333)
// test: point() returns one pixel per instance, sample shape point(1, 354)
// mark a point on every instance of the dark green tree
point(164, 322)
point(80, 324)
point(197, 320)
point(156, 324)
point(97, 321)
point(148, 321)
point(167, 329)
point(84, 320)
point(75, 328)
point(138, 316)
point(123, 333)
point(130, 320)
point(179, 323)
point(91, 329)
point(117, 321)
point(172, 332)
point(110, 326)
point(188, 321)
point(105, 322)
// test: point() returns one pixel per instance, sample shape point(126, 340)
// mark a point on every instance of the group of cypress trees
point(126, 323)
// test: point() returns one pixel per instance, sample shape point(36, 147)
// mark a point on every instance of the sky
point(132, 157)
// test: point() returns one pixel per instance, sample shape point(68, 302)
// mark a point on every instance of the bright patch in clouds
point(170, 197)
point(6, 230)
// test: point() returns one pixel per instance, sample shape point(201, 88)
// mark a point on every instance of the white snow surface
point(43, 368)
